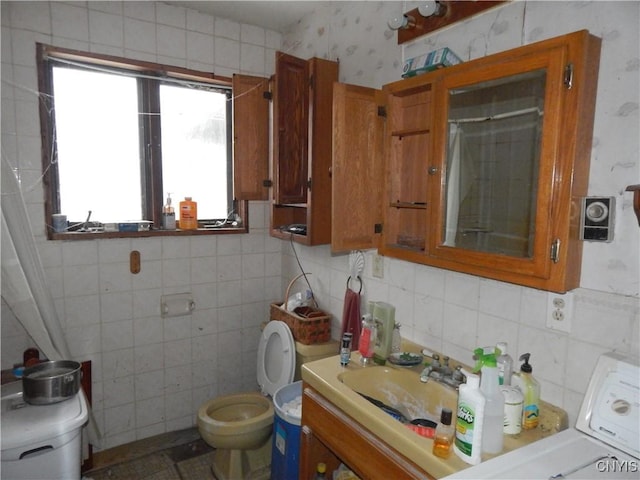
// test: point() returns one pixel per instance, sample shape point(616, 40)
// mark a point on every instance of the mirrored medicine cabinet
point(483, 163)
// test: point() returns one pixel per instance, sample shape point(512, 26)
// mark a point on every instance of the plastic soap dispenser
point(505, 364)
point(469, 420)
point(531, 391)
point(492, 430)
point(168, 215)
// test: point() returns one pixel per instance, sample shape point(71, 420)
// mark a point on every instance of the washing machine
point(41, 442)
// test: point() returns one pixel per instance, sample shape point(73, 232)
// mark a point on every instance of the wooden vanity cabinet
point(417, 196)
point(331, 436)
point(302, 132)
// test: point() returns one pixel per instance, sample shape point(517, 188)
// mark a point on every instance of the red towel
point(351, 316)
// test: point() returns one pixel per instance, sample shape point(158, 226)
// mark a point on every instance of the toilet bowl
point(240, 426)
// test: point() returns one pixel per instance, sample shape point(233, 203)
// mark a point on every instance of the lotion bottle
point(469, 420)
point(188, 214)
point(530, 391)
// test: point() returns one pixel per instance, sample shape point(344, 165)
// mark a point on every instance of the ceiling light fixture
point(404, 22)
point(432, 8)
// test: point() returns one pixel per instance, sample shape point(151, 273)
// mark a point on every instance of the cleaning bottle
point(493, 425)
point(384, 317)
point(530, 391)
point(443, 438)
point(367, 342)
point(188, 214)
point(469, 420)
point(505, 364)
point(168, 215)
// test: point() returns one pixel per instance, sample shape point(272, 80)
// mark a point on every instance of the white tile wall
point(150, 374)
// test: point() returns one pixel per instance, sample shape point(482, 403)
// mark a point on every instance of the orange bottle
point(188, 214)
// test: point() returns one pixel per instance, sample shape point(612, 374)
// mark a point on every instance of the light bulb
point(397, 22)
point(431, 7)
point(403, 21)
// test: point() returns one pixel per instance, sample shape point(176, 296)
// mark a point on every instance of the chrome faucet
point(442, 372)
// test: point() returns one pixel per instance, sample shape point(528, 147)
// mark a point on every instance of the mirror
point(493, 157)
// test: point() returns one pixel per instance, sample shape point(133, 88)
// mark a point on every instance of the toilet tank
point(317, 351)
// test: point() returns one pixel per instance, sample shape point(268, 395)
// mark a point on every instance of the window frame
point(152, 171)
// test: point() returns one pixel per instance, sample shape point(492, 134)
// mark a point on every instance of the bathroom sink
point(402, 390)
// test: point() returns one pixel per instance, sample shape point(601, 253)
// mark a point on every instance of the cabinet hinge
point(267, 95)
point(309, 184)
point(377, 228)
point(568, 76)
point(312, 82)
point(555, 251)
point(267, 183)
point(382, 111)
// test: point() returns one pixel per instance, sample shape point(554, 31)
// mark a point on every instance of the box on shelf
point(440, 58)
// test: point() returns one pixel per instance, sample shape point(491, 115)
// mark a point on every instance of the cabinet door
point(291, 116)
point(250, 137)
point(510, 160)
point(357, 170)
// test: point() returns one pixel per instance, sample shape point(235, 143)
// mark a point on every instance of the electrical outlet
point(378, 266)
point(560, 311)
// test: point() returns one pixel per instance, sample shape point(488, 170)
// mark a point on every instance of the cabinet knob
point(433, 170)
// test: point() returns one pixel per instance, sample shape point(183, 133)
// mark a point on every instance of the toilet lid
point(276, 357)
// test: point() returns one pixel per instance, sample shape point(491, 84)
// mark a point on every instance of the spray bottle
point(469, 420)
point(492, 430)
point(531, 391)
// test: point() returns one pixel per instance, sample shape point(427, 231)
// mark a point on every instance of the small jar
point(443, 440)
point(31, 356)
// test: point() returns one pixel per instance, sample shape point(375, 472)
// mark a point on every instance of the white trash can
point(41, 442)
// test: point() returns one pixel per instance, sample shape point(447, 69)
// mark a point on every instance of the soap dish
point(405, 359)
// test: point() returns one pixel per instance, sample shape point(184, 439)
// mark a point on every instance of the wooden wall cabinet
point(302, 132)
point(332, 437)
point(497, 210)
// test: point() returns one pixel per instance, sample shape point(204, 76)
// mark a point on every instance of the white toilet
point(240, 426)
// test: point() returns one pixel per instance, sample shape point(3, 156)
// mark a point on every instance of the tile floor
point(181, 455)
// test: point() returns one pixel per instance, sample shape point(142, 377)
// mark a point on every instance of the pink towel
point(351, 316)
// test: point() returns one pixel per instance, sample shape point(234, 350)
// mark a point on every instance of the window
point(121, 136)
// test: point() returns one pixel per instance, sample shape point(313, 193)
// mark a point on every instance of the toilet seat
point(276, 357)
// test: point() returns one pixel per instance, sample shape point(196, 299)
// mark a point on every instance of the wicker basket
point(308, 325)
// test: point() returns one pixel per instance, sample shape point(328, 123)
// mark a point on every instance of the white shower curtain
point(24, 286)
point(453, 186)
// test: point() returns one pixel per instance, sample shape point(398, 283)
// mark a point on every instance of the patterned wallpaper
point(356, 33)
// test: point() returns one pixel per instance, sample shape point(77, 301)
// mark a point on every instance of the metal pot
point(51, 382)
